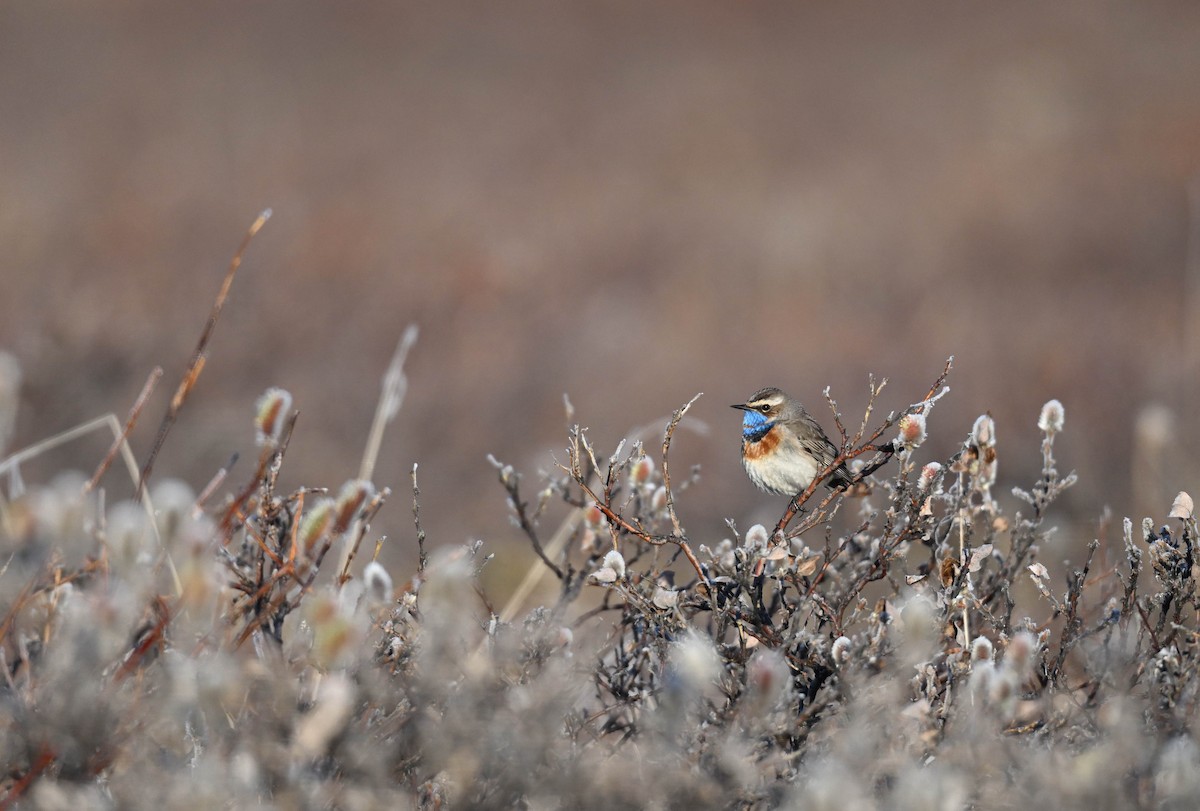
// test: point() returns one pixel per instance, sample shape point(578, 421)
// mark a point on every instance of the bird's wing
point(816, 442)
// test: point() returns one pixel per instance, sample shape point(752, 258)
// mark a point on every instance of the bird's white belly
point(785, 472)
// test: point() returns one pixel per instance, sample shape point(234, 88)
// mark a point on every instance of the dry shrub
point(900, 645)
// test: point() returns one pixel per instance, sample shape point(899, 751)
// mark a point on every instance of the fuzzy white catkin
point(128, 532)
point(1051, 420)
point(317, 520)
point(356, 492)
point(756, 537)
point(351, 501)
point(271, 413)
point(327, 718)
point(911, 431)
point(694, 661)
point(767, 674)
point(1019, 656)
point(173, 500)
point(1177, 776)
point(593, 516)
point(613, 560)
point(983, 432)
point(1182, 506)
point(378, 582)
point(840, 652)
point(928, 475)
point(659, 501)
point(642, 470)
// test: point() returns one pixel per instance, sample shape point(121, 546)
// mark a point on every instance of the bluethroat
point(783, 447)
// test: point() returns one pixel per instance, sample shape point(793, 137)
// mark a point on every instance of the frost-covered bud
point(840, 652)
point(317, 521)
point(378, 582)
point(981, 649)
point(756, 538)
point(1050, 421)
point(912, 431)
point(983, 433)
point(1182, 507)
point(641, 471)
point(929, 475)
point(271, 415)
point(353, 496)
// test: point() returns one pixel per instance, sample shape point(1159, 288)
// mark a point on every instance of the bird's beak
point(740, 406)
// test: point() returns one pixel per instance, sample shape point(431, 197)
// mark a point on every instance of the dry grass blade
point(535, 573)
point(359, 530)
point(62, 438)
point(130, 421)
point(395, 384)
point(196, 366)
point(121, 441)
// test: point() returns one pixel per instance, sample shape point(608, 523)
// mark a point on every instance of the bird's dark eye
point(764, 408)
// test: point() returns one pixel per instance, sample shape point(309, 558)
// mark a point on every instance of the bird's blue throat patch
point(755, 426)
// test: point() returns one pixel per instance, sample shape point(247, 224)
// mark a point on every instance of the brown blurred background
point(628, 202)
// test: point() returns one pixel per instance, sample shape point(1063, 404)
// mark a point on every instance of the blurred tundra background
point(626, 202)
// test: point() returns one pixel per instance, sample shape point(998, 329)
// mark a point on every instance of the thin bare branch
point(422, 558)
point(666, 448)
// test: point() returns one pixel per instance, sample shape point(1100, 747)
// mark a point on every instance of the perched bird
point(783, 447)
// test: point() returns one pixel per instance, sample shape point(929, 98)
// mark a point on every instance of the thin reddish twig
point(44, 759)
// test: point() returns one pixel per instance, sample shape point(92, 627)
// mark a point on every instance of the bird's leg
point(792, 510)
